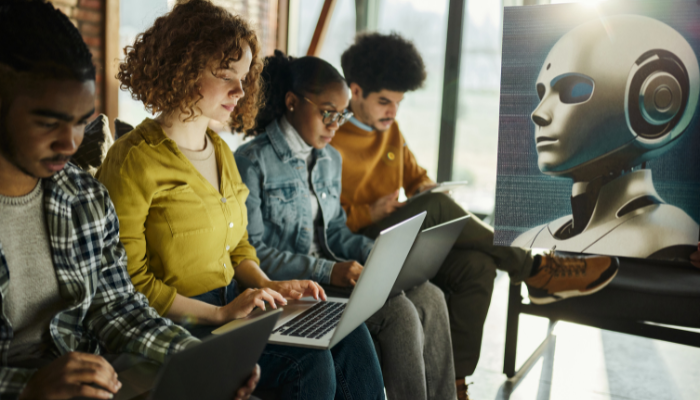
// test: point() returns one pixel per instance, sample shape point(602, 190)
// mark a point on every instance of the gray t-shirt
point(33, 297)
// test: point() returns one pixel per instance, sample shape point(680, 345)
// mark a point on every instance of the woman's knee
point(429, 300)
point(319, 363)
point(401, 313)
point(298, 369)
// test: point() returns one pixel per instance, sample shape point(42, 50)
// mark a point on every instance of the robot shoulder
point(650, 231)
point(539, 236)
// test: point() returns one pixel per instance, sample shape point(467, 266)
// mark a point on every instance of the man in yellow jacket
point(377, 163)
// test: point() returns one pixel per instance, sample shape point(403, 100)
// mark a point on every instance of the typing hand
point(72, 375)
point(346, 273)
point(695, 257)
point(385, 206)
point(296, 289)
point(246, 391)
point(246, 302)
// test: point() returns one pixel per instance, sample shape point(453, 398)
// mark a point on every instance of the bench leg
point(539, 352)
point(514, 302)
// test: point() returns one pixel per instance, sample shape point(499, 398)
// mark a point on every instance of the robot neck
point(605, 198)
point(583, 200)
point(584, 197)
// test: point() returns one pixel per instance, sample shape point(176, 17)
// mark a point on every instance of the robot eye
point(574, 89)
point(540, 91)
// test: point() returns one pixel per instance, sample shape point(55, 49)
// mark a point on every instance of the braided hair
point(39, 41)
point(283, 74)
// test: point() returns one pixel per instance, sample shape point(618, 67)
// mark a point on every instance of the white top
point(304, 152)
point(204, 162)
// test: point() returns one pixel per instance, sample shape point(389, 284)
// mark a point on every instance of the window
point(420, 21)
point(341, 31)
point(476, 141)
point(135, 16)
point(424, 23)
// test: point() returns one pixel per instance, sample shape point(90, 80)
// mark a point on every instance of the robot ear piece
point(657, 94)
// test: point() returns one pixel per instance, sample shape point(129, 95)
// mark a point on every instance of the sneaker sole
point(554, 297)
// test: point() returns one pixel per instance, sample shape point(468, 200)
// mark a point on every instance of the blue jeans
point(349, 371)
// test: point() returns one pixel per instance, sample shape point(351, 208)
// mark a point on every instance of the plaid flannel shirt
point(105, 313)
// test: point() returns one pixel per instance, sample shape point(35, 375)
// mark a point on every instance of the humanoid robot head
point(614, 93)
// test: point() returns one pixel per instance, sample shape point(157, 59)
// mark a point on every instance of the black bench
point(645, 298)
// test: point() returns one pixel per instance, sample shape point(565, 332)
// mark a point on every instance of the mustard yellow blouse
point(181, 235)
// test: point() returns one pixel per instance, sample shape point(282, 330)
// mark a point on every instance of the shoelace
point(558, 266)
point(463, 388)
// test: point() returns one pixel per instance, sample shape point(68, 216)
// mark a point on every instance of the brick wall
point(88, 17)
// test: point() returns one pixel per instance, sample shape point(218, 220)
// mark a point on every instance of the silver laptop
point(427, 254)
point(214, 369)
point(322, 324)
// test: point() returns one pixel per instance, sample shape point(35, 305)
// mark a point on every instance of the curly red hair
point(163, 67)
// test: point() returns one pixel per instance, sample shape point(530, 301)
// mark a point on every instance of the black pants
point(468, 273)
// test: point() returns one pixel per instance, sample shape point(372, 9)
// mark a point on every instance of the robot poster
point(599, 134)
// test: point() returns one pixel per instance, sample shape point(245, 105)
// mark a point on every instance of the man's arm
point(121, 317)
point(414, 176)
point(13, 381)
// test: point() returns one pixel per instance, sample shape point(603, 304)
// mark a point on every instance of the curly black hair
point(283, 74)
point(37, 40)
point(377, 61)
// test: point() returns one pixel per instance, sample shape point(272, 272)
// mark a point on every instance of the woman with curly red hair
point(181, 201)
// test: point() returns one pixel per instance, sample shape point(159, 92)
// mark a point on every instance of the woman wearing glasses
point(298, 228)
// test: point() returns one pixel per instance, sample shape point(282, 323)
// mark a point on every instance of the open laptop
point(215, 369)
point(322, 324)
point(424, 260)
point(443, 187)
point(427, 254)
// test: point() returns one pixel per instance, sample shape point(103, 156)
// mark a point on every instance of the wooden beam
point(324, 20)
point(111, 61)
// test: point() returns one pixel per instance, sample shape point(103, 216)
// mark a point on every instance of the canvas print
point(599, 137)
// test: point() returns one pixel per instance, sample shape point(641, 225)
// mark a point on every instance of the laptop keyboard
point(314, 322)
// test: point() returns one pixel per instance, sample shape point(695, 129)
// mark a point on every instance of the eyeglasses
point(330, 117)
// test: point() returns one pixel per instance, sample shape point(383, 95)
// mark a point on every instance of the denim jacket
point(279, 210)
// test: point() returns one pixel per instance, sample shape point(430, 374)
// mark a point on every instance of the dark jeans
point(467, 274)
point(350, 370)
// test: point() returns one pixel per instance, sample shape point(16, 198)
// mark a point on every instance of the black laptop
point(212, 370)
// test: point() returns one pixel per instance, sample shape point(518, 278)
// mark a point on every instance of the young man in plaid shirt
point(65, 295)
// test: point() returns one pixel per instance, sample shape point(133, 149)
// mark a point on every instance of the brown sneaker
point(462, 389)
point(560, 277)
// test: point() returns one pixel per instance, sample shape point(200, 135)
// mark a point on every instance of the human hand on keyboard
point(246, 302)
point(296, 289)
